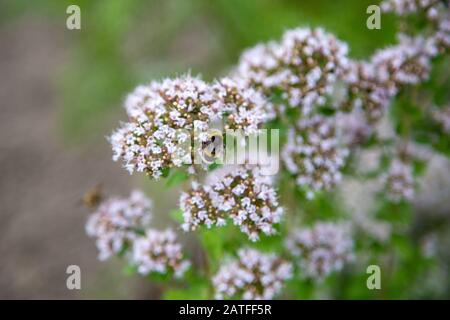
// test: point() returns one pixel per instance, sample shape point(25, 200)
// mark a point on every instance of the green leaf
point(213, 243)
point(177, 215)
point(213, 166)
point(176, 178)
point(194, 292)
point(160, 277)
point(165, 172)
point(419, 167)
point(129, 270)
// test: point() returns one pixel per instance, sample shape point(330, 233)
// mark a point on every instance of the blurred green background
point(61, 93)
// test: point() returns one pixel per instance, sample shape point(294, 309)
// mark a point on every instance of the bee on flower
point(163, 117)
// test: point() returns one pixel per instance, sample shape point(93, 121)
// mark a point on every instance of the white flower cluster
point(158, 252)
point(313, 155)
point(406, 63)
point(442, 34)
point(406, 7)
point(253, 276)
point(442, 116)
point(167, 118)
point(303, 66)
point(117, 222)
point(243, 107)
point(436, 11)
point(122, 225)
point(366, 91)
point(241, 193)
point(322, 249)
point(399, 181)
point(371, 85)
point(152, 140)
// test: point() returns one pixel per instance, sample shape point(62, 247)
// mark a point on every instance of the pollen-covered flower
point(118, 222)
point(399, 181)
point(442, 116)
point(313, 155)
point(166, 119)
point(241, 193)
point(254, 275)
point(243, 107)
point(322, 249)
point(159, 252)
point(302, 67)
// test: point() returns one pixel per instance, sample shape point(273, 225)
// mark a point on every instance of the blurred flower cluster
point(324, 248)
point(117, 222)
point(121, 226)
point(302, 67)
